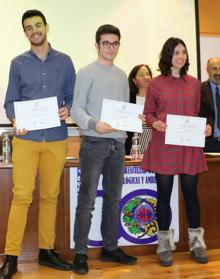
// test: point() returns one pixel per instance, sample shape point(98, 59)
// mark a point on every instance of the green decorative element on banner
point(139, 216)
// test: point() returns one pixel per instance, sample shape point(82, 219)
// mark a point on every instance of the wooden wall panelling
point(209, 193)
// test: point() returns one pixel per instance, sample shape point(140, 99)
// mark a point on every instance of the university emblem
point(138, 216)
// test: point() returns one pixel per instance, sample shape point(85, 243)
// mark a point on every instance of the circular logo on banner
point(138, 222)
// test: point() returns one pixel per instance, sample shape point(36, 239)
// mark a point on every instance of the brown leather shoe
point(9, 267)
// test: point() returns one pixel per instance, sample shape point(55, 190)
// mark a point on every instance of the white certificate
point(37, 114)
point(185, 130)
point(122, 116)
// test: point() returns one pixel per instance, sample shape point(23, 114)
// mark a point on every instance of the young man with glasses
point(102, 149)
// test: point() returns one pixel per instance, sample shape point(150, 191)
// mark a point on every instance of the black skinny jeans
point(189, 189)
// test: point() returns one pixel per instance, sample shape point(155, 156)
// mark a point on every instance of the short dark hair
point(165, 62)
point(132, 86)
point(31, 13)
point(106, 29)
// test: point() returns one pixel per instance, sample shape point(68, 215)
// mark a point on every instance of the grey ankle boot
point(165, 247)
point(197, 245)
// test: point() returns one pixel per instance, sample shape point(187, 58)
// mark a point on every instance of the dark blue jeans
point(99, 156)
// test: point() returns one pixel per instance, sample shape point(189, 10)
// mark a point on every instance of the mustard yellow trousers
point(29, 158)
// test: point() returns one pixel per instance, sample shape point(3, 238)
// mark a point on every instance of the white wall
point(144, 24)
point(209, 47)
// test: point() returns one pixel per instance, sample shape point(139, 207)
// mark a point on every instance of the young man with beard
point(102, 149)
point(38, 73)
point(210, 104)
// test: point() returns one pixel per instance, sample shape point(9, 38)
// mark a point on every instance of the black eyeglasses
point(107, 44)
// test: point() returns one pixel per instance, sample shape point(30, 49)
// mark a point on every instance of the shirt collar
point(214, 85)
point(50, 52)
point(170, 78)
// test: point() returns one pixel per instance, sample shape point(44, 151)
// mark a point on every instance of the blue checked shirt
point(31, 78)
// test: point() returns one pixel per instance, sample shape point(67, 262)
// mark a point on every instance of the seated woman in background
point(138, 82)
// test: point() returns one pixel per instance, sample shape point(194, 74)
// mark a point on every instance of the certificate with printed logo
point(37, 114)
point(185, 130)
point(122, 116)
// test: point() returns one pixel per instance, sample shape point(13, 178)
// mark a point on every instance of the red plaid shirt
point(170, 95)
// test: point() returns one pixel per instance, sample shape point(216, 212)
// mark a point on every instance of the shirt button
point(44, 86)
point(44, 74)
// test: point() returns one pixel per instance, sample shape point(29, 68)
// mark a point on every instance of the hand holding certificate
point(37, 114)
point(185, 130)
point(122, 116)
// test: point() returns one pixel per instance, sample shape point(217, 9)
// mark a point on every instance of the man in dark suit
point(210, 104)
